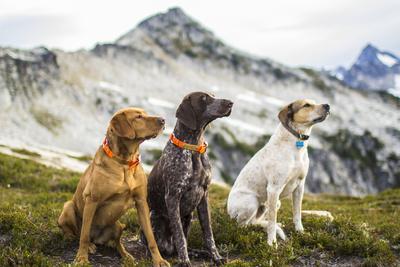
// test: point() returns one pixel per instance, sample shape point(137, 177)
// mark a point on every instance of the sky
point(316, 33)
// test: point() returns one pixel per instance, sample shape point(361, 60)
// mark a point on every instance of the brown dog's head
point(198, 109)
point(134, 123)
point(304, 112)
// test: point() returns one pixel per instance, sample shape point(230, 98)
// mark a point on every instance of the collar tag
point(299, 144)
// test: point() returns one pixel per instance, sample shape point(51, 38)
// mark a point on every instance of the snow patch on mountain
point(387, 59)
point(241, 125)
point(249, 97)
point(110, 86)
point(160, 103)
point(274, 101)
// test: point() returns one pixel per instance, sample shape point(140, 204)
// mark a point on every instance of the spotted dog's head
point(304, 112)
point(198, 109)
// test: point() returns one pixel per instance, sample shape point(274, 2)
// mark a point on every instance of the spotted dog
point(178, 183)
point(277, 171)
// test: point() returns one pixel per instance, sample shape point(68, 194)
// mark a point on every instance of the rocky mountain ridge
point(51, 100)
point(374, 69)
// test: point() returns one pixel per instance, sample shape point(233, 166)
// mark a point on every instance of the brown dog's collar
point(107, 150)
point(198, 148)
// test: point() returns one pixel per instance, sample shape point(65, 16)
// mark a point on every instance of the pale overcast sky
point(295, 32)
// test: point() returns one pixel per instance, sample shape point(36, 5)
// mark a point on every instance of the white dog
point(277, 171)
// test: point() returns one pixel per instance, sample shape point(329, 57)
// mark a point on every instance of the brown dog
point(110, 185)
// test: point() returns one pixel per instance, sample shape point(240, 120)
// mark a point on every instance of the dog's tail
point(319, 213)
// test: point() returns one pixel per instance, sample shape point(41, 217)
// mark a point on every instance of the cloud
point(33, 30)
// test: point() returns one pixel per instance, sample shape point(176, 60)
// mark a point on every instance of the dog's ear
point(286, 114)
point(121, 126)
point(186, 115)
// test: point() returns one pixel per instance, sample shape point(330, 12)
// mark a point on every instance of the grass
point(366, 231)
point(25, 152)
point(47, 119)
point(85, 158)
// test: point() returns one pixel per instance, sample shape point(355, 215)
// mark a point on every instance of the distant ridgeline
point(373, 70)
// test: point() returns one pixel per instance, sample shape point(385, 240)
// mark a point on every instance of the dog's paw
point(219, 261)
point(272, 241)
point(280, 232)
point(128, 260)
point(185, 263)
point(81, 259)
point(92, 248)
point(161, 263)
point(299, 228)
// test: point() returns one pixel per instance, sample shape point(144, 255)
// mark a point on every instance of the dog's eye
point(139, 117)
point(306, 106)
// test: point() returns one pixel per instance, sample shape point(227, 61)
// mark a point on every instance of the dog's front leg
point(297, 197)
point(88, 214)
point(272, 201)
point(205, 222)
point(144, 220)
point(177, 229)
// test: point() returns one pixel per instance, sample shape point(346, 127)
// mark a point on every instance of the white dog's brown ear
point(120, 125)
point(186, 115)
point(286, 114)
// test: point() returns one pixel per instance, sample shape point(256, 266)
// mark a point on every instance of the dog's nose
point(229, 103)
point(161, 121)
point(326, 107)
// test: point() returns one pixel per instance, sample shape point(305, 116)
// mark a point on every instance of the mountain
point(55, 105)
point(374, 69)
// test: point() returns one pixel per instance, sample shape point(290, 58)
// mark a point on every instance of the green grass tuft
point(85, 158)
point(25, 152)
point(29, 175)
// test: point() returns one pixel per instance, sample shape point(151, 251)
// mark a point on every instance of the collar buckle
point(202, 148)
point(303, 137)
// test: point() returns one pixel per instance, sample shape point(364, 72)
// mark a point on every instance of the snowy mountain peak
point(177, 35)
point(173, 31)
point(173, 16)
point(374, 69)
point(371, 56)
point(368, 54)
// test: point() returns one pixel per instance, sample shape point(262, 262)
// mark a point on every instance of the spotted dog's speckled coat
point(276, 171)
point(178, 183)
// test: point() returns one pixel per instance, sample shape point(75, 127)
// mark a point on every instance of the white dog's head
point(304, 112)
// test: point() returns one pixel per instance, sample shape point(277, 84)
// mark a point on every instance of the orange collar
point(131, 163)
point(198, 148)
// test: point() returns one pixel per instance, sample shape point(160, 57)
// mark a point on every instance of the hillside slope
point(51, 100)
point(365, 230)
